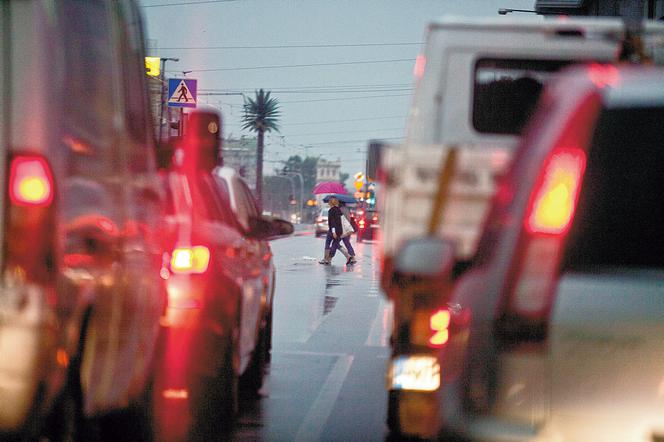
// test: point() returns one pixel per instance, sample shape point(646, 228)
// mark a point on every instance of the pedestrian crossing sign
point(181, 92)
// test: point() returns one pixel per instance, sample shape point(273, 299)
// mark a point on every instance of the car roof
point(618, 85)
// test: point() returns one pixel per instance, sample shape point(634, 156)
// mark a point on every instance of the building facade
point(328, 170)
point(240, 154)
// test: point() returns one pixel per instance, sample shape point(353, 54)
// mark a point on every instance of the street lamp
point(286, 177)
point(299, 175)
point(505, 11)
point(164, 89)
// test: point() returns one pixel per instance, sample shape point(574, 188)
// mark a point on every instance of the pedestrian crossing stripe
point(182, 94)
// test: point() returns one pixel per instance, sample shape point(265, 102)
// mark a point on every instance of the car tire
point(65, 422)
point(251, 380)
point(229, 383)
point(393, 413)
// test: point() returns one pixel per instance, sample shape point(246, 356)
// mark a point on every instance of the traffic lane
point(331, 327)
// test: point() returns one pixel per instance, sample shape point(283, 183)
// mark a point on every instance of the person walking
point(334, 232)
point(349, 228)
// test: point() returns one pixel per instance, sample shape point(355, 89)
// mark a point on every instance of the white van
point(477, 82)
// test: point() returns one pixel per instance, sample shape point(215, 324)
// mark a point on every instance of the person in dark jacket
point(335, 230)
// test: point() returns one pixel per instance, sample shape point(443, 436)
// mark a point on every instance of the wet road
point(326, 380)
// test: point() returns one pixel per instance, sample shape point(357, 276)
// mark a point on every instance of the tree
point(306, 167)
point(260, 115)
point(343, 176)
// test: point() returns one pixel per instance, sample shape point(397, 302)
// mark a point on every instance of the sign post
point(181, 93)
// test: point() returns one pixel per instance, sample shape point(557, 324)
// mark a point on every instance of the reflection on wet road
point(331, 328)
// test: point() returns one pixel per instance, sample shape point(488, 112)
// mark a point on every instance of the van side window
point(89, 80)
point(506, 91)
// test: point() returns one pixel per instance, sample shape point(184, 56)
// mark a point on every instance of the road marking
point(381, 326)
point(312, 427)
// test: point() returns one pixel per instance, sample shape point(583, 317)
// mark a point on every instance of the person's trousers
point(334, 244)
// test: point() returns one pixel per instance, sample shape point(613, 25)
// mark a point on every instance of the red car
point(368, 224)
point(218, 321)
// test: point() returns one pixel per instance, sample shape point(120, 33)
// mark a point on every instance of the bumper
point(31, 361)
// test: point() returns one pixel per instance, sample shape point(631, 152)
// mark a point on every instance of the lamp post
point(299, 175)
point(164, 88)
point(286, 177)
point(505, 11)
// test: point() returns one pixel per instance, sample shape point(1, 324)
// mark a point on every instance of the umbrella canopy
point(346, 199)
point(329, 187)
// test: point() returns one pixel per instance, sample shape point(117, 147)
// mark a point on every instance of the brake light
point(556, 192)
point(439, 324)
point(420, 64)
point(375, 218)
point(547, 221)
point(30, 182)
point(190, 259)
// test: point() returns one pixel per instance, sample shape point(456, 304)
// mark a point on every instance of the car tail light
point(556, 192)
point(30, 182)
point(546, 223)
point(362, 223)
point(30, 233)
point(439, 323)
point(190, 259)
point(430, 328)
point(375, 218)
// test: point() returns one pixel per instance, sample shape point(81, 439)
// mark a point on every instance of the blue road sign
point(181, 92)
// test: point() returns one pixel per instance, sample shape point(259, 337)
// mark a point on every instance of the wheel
point(393, 413)
point(65, 422)
point(251, 380)
point(268, 333)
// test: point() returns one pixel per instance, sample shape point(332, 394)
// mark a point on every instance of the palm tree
point(260, 115)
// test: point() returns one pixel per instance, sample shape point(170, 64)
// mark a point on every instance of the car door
point(254, 296)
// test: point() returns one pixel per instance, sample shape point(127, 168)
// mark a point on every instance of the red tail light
point(30, 182)
point(30, 229)
point(554, 200)
point(190, 259)
point(439, 324)
point(547, 220)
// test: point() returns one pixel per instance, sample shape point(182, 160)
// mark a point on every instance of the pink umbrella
point(329, 187)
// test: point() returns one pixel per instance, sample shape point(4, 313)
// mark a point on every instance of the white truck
point(476, 83)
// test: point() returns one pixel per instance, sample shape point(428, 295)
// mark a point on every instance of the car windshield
point(620, 213)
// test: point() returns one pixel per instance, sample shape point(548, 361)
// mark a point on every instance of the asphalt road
point(326, 381)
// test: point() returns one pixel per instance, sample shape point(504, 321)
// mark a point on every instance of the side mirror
point(266, 227)
point(427, 258)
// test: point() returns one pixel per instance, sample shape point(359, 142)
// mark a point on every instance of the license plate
point(415, 372)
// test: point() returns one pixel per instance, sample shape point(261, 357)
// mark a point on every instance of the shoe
point(351, 260)
point(327, 260)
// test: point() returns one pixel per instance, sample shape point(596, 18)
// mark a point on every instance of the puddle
point(328, 304)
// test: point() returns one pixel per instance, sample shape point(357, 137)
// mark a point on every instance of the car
point(460, 140)
point(245, 209)
point(219, 276)
point(555, 330)
point(368, 224)
point(321, 222)
point(80, 297)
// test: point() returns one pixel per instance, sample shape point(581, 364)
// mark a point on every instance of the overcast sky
point(341, 69)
